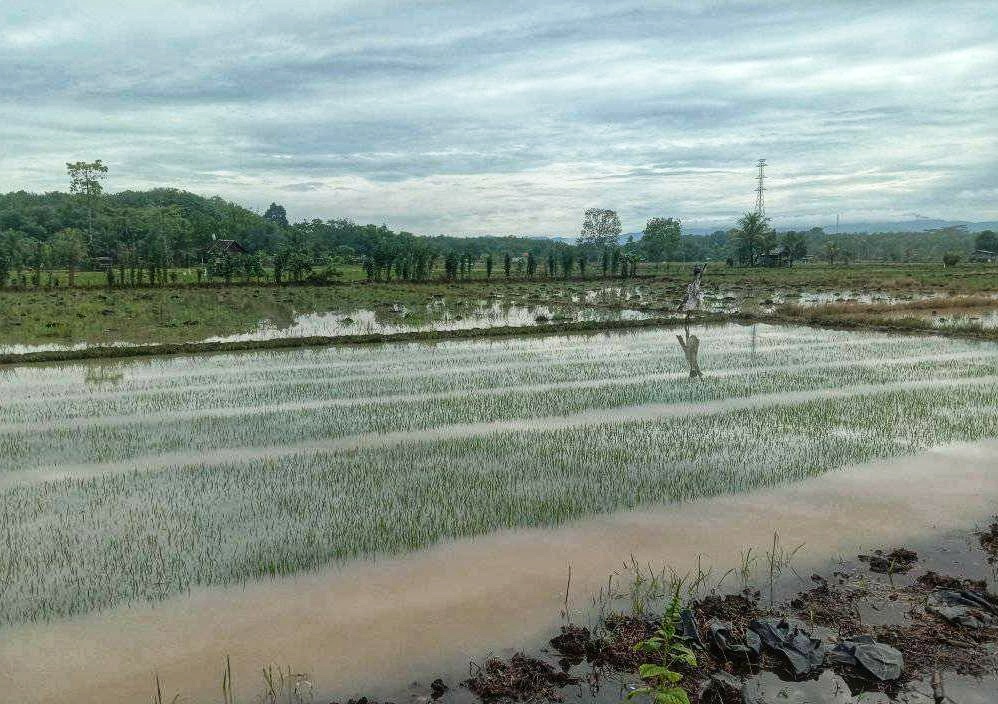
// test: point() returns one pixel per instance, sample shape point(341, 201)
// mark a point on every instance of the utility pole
point(760, 206)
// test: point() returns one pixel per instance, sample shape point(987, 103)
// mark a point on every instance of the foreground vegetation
point(159, 476)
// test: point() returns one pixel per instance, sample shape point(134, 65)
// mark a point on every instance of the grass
point(94, 540)
point(957, 314)
point(172, 316)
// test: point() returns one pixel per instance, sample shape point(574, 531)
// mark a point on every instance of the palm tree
point(831, 252)
point(796, 246)
point(752, 233)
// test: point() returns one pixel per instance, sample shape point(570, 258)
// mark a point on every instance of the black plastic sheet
point(963, 608)
point(723, 639)
point(878, 660)
point(789, 638)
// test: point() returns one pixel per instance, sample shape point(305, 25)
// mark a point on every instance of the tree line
point(138, 238)
point(142, 237)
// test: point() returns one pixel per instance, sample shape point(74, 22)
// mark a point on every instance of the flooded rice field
point(354, 311)
point(436, 316)
point(329, 508)
point(336, 319)
point(973, 315)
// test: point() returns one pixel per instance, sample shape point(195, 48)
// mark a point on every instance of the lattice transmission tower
point(760, 204)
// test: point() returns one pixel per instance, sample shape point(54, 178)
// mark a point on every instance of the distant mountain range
point(919, 225)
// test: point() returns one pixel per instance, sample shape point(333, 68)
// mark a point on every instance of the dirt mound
point(933, 580)
point(521, 678)
point(897, 561)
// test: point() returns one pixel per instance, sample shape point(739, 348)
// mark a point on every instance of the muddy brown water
point(375, 626)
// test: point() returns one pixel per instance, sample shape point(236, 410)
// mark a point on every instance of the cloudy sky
point(512, 117)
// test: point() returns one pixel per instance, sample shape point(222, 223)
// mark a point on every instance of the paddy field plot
point(136, 481)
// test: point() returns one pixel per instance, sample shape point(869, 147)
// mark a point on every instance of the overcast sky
point(505, 117)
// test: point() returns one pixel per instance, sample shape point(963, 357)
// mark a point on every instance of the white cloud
point(512, 117)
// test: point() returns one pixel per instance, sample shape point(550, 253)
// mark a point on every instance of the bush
point(950, 258)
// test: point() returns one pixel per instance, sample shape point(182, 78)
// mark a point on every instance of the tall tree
point(661, 239)
point(38, 259)
point(751, 237)
point(567, 259)
point(796, 246)
point(832, 251)
point(69, 248)
point(85, 183)
point(986, 240)
point(277, 214)
point(600, 228)
point(14, 249)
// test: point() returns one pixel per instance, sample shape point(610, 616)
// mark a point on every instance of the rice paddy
point(135, 481)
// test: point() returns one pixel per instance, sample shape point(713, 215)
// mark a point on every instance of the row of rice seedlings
point(74, 546)
point(304, 421)
point(243, 371)
point(424, 366)
point(169, 369)
point(199, 369)
point(430, 377)
point(306, 426)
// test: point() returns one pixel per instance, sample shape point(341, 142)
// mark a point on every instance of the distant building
point(983, 255)
point(220, 247)
point(777, 256)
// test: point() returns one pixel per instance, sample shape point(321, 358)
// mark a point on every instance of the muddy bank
point(428, 612)
point(872, 323)
point(848, 636)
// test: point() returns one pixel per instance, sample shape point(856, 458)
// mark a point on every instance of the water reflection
point(103, 375)
point(435, 316)
point(381, 320)
point(690, 344)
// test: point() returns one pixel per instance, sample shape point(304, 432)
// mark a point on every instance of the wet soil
point(989, 541)
point(886, 595)
point(898, 560)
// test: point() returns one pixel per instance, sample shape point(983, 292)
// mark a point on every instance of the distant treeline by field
point(139, 236)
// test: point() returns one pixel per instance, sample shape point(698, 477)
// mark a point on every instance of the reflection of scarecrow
point(692, 302)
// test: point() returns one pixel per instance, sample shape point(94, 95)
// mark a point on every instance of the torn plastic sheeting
point(688, 628)
point(880, 660)
point(788, 637)
point(964, 608)
point(723, 639)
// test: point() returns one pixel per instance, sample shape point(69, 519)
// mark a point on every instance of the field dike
point(157, 350)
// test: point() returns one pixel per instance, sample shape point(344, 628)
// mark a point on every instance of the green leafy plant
point(665, 646)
